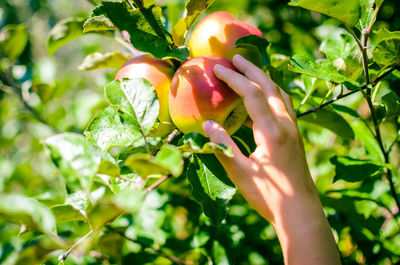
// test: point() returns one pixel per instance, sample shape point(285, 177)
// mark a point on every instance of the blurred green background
point(57, 97)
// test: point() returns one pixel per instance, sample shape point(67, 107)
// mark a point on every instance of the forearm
point(304, 232)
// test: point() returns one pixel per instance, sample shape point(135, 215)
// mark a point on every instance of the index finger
point(253, 97)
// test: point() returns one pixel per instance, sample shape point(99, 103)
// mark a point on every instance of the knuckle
point(278, 135)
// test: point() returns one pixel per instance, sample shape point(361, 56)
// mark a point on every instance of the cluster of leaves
point(109, 206)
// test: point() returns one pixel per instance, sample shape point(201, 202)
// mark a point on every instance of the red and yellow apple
point(217, 33)
point(159, 73)
point(196, 95)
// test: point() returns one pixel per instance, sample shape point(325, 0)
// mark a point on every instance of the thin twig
point(130, 4)
point(159, 251)
point(130, 180)
point(377, 80)
point(8, 81)
point(64, 256)
point(157, 183)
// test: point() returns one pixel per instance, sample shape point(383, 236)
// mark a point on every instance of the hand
point(275, 178)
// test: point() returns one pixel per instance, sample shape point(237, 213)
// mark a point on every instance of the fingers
point(270, 89)
point(254, 99)
point(218, 135)
point(289, 105)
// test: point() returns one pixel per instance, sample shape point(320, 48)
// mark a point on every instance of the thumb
point(218, 135)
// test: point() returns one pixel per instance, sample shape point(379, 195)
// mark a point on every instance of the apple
point(159, 73)
point(217, 33)
point(196, 95)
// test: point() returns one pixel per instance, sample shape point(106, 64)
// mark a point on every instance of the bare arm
point(275, 179)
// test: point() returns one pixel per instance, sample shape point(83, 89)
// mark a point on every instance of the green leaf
point(344, 54)
point(13, 40)
point(136, 98)
point(99, 61)
point(194, 9)
point(63, 32)
point(211, 187)
point(331, 121)
point(324, 70)
point(196, 143)
point(369, 9)
point(21, 209)
point(112, 128)
point(392, 104)
point(364, 134)
point(102, 213)
point(353, 170)
point(168, 161)
point(347, 12)
point(386, 46)
point(146, 30)
point(219, 254)
point(259, 43)
point(98, 21)
point(67, 213)
point(76, 158)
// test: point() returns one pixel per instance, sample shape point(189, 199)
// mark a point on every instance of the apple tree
point(94, 172)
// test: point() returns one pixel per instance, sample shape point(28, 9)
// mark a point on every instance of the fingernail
point(239, 58)
point(219, 67)
point(208, 126)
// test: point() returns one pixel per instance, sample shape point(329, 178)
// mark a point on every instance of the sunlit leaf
point(136, 98)
point(324, 70)
point(27, 211)
point(76, 158)
point(63, 32)
point(197, 143)
point(211, 187)
point(108, 60)
point(386, 46)
point(347, 12)
point(168, 161)
point(112, 128)
point(67, 213)
point(146, 30)
point(98, 21)
point(13, 40)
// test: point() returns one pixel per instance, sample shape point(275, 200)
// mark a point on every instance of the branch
point(8, 81)
point(159, 251)
point(156, 184)
point(64, 256)
point(377, 80)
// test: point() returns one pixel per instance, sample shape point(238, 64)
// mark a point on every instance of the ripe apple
point(196, 95)
point(217, 33)
point(159, 73)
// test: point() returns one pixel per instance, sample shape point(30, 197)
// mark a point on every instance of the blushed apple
point(159, 73)
point(196, 95)
point(217, 33)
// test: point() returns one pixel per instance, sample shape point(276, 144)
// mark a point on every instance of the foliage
point(83, 180)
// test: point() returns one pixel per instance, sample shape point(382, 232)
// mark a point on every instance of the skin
point(196, 95)
point(158, 73)
point(217, 34)
point(275, 179)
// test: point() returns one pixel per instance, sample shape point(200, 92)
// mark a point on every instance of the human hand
point(275, 178)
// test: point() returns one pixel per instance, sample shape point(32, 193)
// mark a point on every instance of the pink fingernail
point(239, 57)
point(208, 126)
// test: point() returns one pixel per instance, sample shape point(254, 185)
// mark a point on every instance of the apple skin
point(217, 33)
point(159, 73)
point(197, 95)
